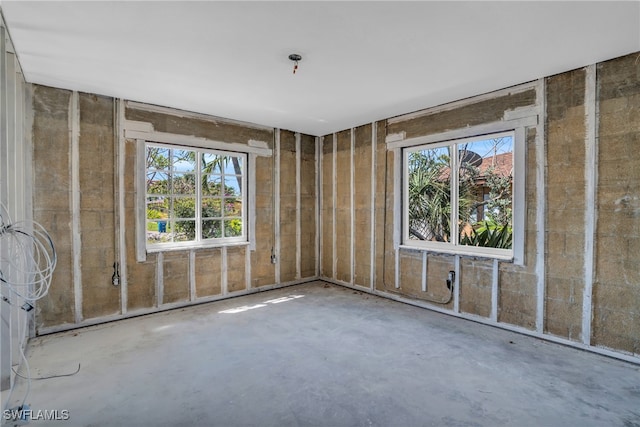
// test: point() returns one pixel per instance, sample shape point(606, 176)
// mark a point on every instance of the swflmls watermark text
point(36, 414)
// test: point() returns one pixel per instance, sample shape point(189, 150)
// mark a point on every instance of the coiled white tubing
point(27, 259)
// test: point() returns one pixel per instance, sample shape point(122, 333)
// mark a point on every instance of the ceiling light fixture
point(295, 58)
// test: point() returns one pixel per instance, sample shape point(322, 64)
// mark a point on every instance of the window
point(458, 195)
point(194, 197)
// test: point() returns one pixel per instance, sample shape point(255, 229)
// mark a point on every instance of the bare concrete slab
point(322, 355)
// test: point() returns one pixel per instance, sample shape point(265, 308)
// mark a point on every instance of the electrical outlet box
point(451, 279)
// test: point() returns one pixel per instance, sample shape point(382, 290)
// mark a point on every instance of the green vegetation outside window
point(194, 196)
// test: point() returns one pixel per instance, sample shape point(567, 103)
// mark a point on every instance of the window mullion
point(405, 196)
point(454, 195)
point(198, 207)
point(172, 196)
point(244, 193)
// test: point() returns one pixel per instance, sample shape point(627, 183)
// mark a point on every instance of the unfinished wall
point(579, 280)
point(16, 169)
point(85, 194)
point(97, 205)
point(616, 289)
point(350, 174)
point(52, 197)
point(566, 191)
point(420, 275)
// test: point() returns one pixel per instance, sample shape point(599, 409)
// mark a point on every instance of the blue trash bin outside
point(162, 226)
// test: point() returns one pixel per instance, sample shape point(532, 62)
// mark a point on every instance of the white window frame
point(142, 132)
point(454, 245)
point(198, 242)
point(397, 142)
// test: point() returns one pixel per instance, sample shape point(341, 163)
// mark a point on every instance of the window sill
point(190, 247)
point(461, 252)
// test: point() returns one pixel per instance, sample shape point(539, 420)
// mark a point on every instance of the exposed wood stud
point(494, 291)
point(591, 171)
point(140, 203)
point(298, 189)
point(276, 205)
point(456, 284)
point(224, 286)
point(424, 271)
point(334, 184)
point(318, 202)
point(6, 329)
point(159, 279)
point(251, 175)
point(397, 223)
point(120, 141)
point(541, 162)
point(74, 127)
point(192, 275)
point(372, 259)
point(352, 208)
point(247, 267)
point(396, 276)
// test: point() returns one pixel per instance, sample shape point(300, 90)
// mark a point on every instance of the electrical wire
point(21, 346)
point(27, 261)
point(48, 377)
point(31, 259)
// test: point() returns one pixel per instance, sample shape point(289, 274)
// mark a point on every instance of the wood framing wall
point(579, 280)
point(85, 194)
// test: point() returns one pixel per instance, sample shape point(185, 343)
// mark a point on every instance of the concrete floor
point(323, 355)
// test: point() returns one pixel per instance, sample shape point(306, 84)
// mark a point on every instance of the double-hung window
point(194, 197)
point(459, 195)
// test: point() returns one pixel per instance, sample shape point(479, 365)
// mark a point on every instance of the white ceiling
point(362, 61)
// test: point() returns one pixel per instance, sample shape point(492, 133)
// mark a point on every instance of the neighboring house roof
point(502, 164)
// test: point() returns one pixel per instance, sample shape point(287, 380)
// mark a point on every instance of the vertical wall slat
point(74, 130)
point(5, 309)
point(121, 227)
point(224, 286)
point(397, 223)
point(298, 189)
point(494, 291)
point(591, 171)
point(372, 260)
point(251, 175)
point(352, 207)
point(456, 284)
point(247, 268)
point(159, 279)
point(334, 185)
point(318, 203)
point(15, 195)
point(140, 188)
point(276, 206)
point(192, 275)
point(424, 271)
point(541, 157)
